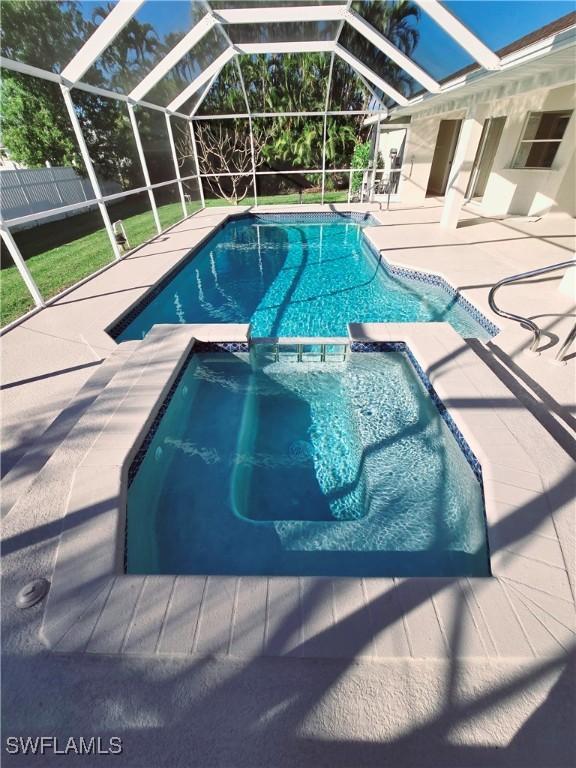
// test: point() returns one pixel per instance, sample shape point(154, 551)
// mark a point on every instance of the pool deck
point(50, 356)
point(472, 688)
point(525, 610)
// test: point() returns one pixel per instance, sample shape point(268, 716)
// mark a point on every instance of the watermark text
point(72, 745)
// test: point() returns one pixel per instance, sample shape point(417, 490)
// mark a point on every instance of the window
point(542, 135)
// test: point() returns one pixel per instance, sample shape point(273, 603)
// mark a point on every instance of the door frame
point(480, 156)
point(456, 126)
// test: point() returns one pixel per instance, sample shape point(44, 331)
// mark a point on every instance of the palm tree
point(395, 19)
point(128, 58)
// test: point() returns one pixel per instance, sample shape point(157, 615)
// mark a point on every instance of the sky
point(496, 22)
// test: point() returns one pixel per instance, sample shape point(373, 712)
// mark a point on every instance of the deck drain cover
point(32, 593)
point(301, 450)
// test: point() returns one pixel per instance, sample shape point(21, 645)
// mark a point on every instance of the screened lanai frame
point(265, 12)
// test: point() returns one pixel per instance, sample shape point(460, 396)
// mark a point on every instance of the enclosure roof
point(167, 54)
point(538, 35)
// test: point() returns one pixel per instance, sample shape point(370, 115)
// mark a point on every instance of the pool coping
point(524, 610)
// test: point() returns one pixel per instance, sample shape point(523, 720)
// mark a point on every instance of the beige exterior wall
point(422, 134)
point(509, 190)
point(389, 139)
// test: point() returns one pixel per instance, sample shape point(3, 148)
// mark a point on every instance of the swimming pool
point(333, 464)
point(297, 275)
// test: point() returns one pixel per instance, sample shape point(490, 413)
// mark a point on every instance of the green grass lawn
point(63, 265)
point(339, 196)
point(56, 265)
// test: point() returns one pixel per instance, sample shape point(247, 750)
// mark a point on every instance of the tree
point(35, 124)
point(47, 34)
point(108, 135)
point(35, 128)
point(43, 34)
point(126, 60)
point(395, 20)
point(226, 148)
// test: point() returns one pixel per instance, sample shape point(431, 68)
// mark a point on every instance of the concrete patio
point(370, 706)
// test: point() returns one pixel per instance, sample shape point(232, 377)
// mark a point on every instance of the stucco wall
point(419, 152)
point(509, 190)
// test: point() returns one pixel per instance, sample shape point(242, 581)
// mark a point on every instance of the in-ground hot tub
point(301, 460)
point(94, 605)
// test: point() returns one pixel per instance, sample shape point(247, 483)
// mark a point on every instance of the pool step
point(301, 352)
point(22, 475)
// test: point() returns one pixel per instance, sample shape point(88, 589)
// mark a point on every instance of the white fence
point(29, 190)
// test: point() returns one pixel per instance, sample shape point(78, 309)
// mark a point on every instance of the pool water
point(294, 277)
point(272, 467)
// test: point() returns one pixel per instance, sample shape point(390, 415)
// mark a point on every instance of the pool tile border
point(525, 610)
point(434, 279)
point(115, 328)
point(288, 217)
point(199, 346)
point(355, 346)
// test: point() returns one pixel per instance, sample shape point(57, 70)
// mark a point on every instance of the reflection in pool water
point(273, 467)
point(305, 278)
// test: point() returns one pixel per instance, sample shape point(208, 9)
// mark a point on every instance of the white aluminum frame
point(172, 58)
point(331, 113)
point(293, 172)
point(393, 53)
point(245, 93)
point(461, 34)
point(175, 160)
point(364, 70)
point(100, 39)
point(374, 160)
point(124, 11)
point(281, 14)
point(252, 153)
point(21, 265)
point(328, 89)
point(144, 165)
point(89, 167)
point(327, 101)
point(207, 88)
point(43, 74)
point(202, 78)
point(306, 46)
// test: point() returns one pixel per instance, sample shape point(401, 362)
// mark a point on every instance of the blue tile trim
point(138, 458)
point(402, 347)
point(427, 277)
point(355, 346)
point(469, 455)
point(132, 313)
point(199, 346)
point(295, 217)
point(221, 346)
point(143, 448)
